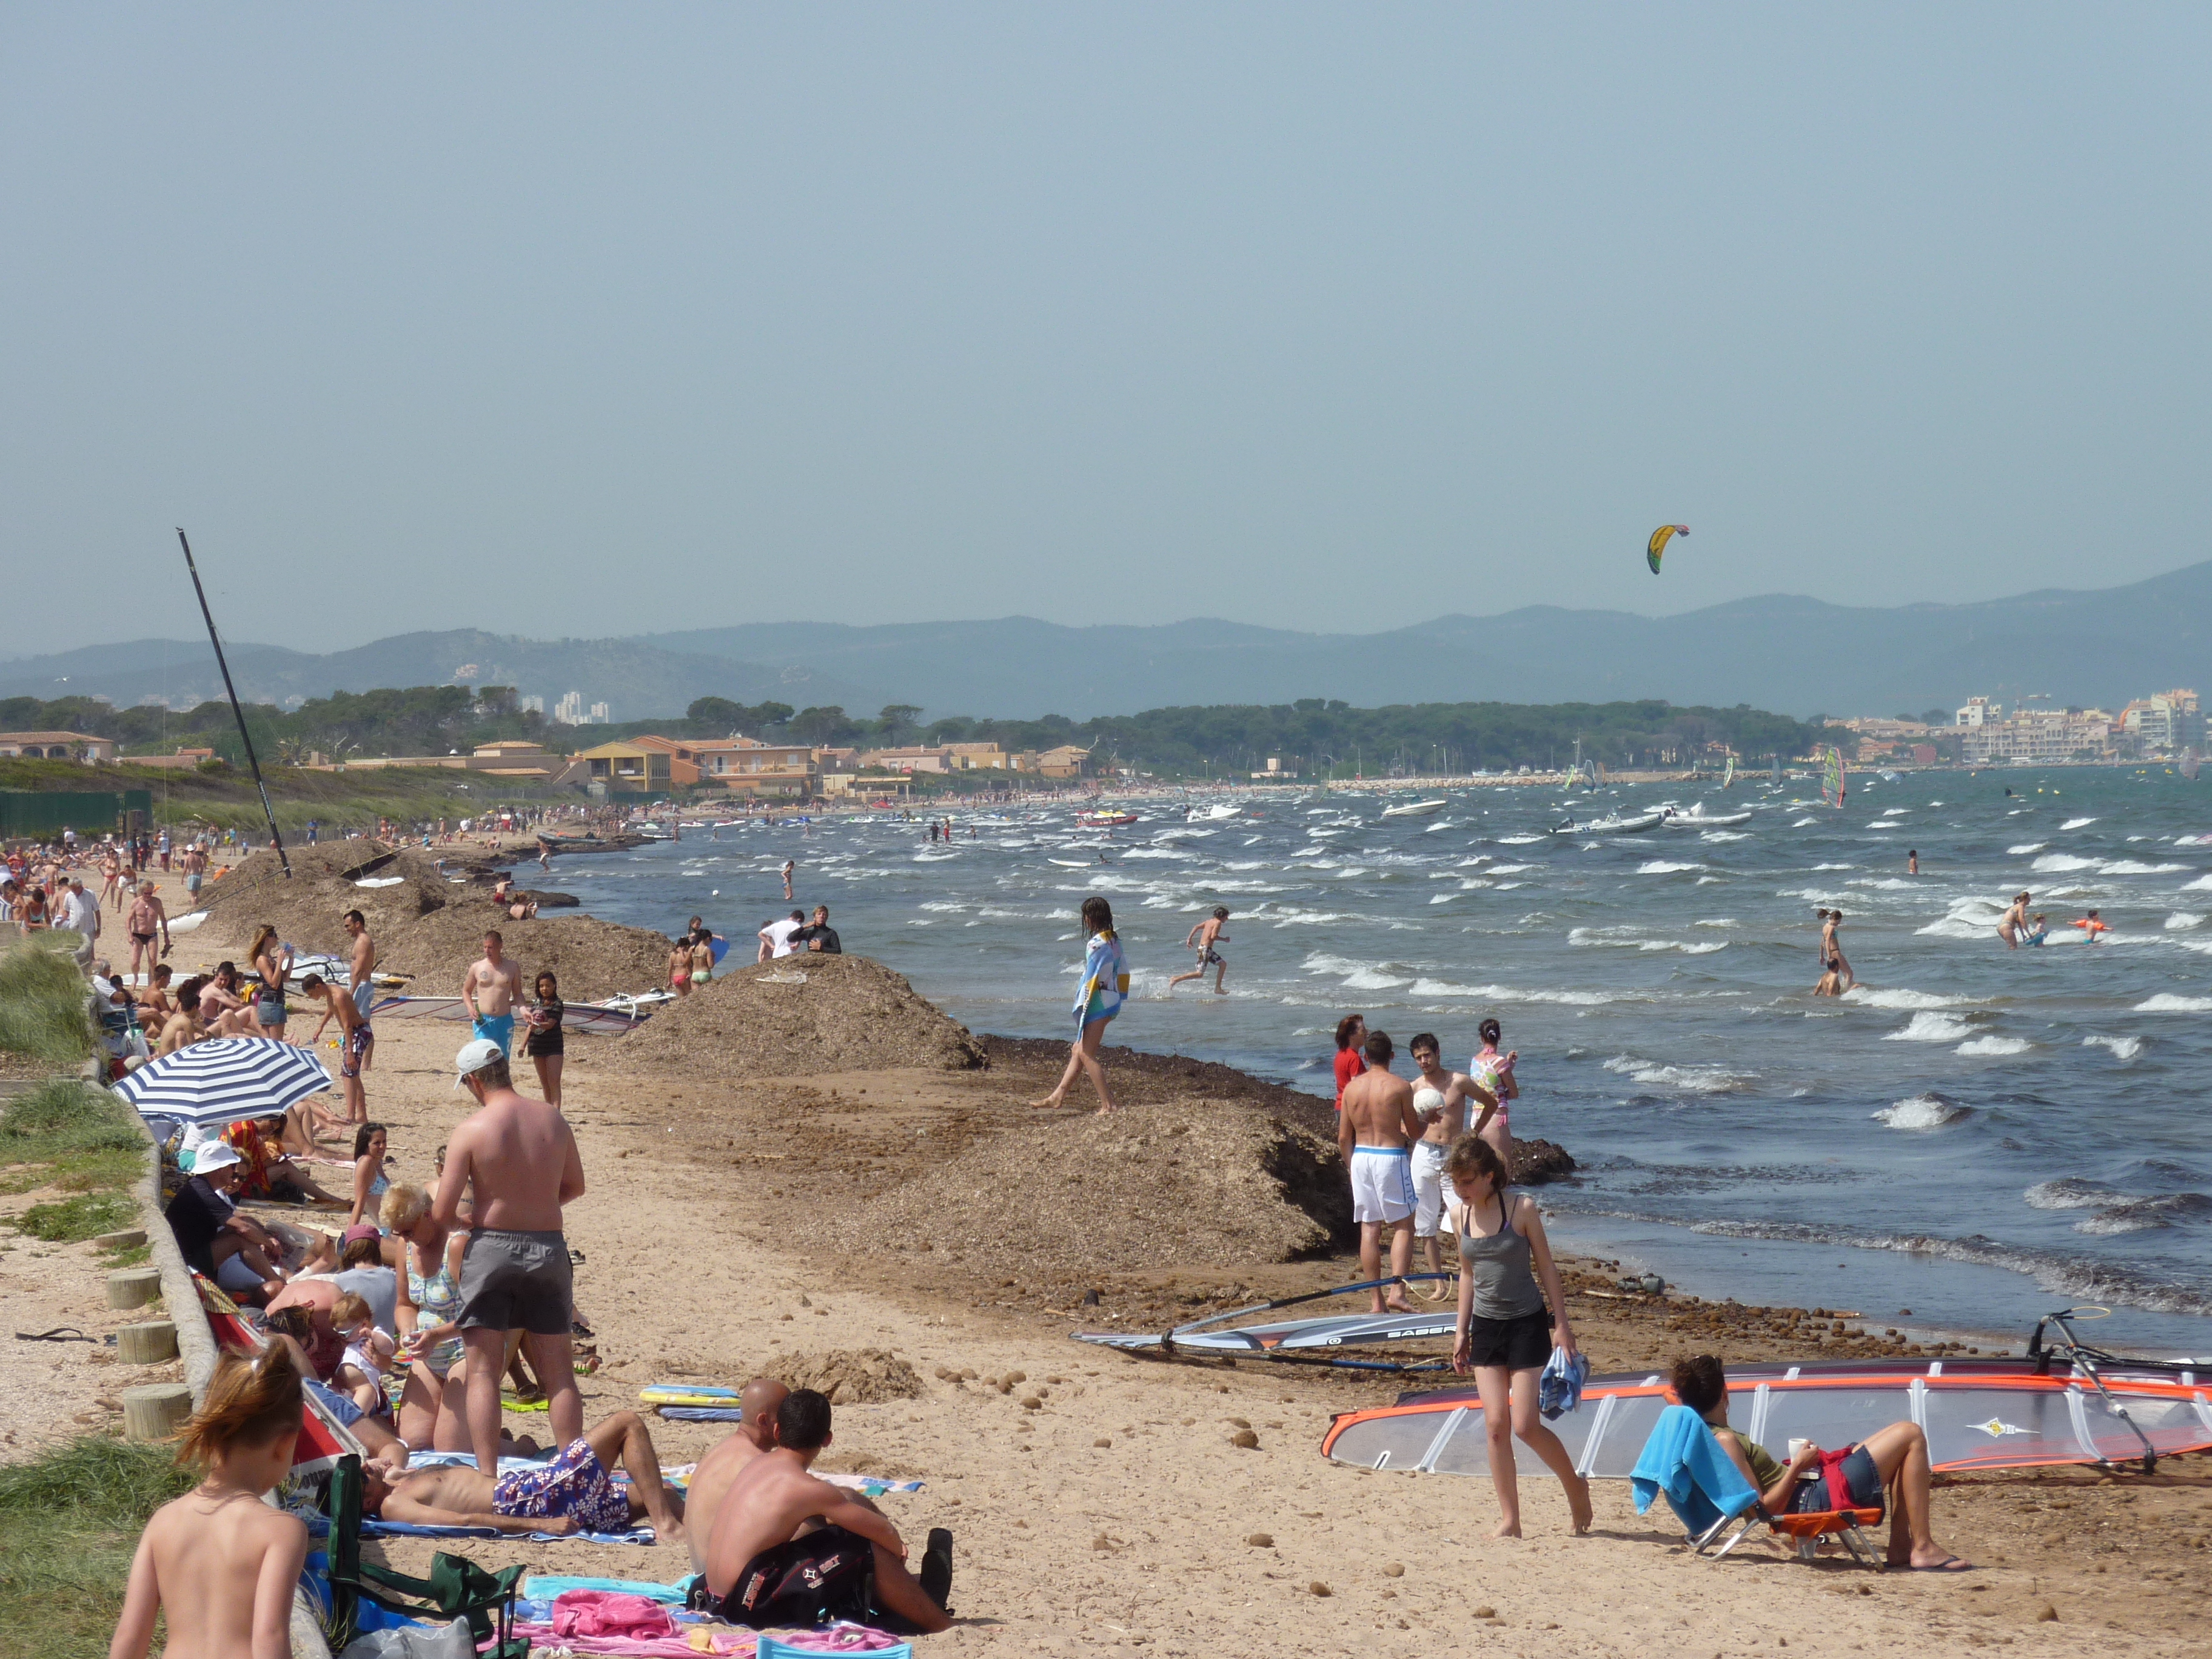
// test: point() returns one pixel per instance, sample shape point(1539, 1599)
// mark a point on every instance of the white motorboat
point(1416, 809)
point(1615, 826)
point(1698, 818)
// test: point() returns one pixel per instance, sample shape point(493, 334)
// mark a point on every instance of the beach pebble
point(1485, 1611)
point(1246, 1439)
point(1394, 1569)
point(2046, 1615)
point(1238, 1423)
point(1315, 1589)
point(1261, 1540)
point(1103, 1440)
point(1031, 1403)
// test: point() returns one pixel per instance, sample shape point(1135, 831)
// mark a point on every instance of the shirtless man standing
point(788, 1549)
point(195, 869)
point(1202, 939)
point(518, 1156)
point(490, 990)
point(789, 866)
point(1440, 1103)
point(760, 1401)
point(1376, 1134)
point(359, 976)
point(354, 1038)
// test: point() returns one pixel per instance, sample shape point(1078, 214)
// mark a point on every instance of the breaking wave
point(1928, 1111)
point(1931, 1027)
point(1995, 1045)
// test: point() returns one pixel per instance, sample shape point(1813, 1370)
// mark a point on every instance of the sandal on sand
point(1949, 1563)
point(59, 1333)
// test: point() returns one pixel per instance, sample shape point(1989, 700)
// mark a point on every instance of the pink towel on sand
point(610, 1612)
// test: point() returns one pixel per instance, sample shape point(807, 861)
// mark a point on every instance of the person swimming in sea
point(2091, 927)
point(2042, 930)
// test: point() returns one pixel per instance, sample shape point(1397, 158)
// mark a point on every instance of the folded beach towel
point(1685, 1462)
point(701, 1413)
point(1560, 1387)
point(717, 1642)
point(546, 1586)
point(610, 1612)
point(844, 1637)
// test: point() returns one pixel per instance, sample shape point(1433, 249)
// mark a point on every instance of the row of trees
point(1313, 736)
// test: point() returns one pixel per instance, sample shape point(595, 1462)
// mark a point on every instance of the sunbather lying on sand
point(788, 1549)
point(1892, 1462)
point(575, 1492)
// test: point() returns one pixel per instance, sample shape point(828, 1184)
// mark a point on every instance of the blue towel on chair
point(1684, 1461)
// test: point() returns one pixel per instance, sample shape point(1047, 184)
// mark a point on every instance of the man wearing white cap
point(213, 1243)
point(520, 1157)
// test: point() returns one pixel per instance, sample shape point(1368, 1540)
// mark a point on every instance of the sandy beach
point(758, 1216)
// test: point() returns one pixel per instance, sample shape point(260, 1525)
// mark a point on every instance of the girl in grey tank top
point(1496, 1265)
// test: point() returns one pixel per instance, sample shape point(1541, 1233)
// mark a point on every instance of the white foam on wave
point(1717, 922)
point(2062, 862)
point(1835, 866)
point(2203, 883)
point(2136, 867)
point(2167, 1003)
point(1900, 997)
point(1158, 853)
point(1693, 1079)
point(1995, 1045)
point(1665, 867)
point(2076, 824)
point(1444, 898)
point(2071, 1193)
point(1922, 1112)
point(1893, 884)
point(2126, 1048)
point(1799, 823)
point(1370, 979)
point(1443, 987)
point(1508, 869)
point(1519, 841)
point(2024, 849)
point(941, 904)
point(1929, 1026)
point(2181, 918)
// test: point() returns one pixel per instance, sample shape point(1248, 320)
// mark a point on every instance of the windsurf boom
point(1312, 1340)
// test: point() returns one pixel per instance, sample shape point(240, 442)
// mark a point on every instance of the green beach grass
point(68, 1522)
point(42, 1004)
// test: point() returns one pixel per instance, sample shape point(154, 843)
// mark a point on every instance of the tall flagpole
point(276, 839)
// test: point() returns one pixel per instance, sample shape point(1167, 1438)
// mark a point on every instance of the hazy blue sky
point(575, 321)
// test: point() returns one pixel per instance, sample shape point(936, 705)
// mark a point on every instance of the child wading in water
point(220, 1562)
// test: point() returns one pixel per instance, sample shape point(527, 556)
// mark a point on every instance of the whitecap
point(2076, 824)
point(1519, 841)
point(941, 904)
point(1995, 1045)
point(1893, 884)
point(2071, 1193)
point(1439, 987)
point(2181, 918)
point(1928, 1111)
point(1835, 866)
point(1799, 823)
point(1931, 1027)
point(2167, 1003)
point(2062, 862)
point(2136, 867)
point(1367, 979)
point(2203, 883)
point(1695, 1079)
point(1442, 898)
point(2024, 849)
point(2126, 1048)
point(1665, 867)
point(1717, 922)
point(1900, 997)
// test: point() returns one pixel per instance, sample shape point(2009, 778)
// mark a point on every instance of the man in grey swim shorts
point(520, 1157)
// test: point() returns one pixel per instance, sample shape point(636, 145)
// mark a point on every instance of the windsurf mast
point(276, 838)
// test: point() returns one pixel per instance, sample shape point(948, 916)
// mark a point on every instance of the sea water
point(1975, 1133)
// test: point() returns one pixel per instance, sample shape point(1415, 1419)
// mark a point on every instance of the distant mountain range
point(1792, 655)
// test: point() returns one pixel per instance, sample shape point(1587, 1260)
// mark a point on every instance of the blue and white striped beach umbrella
point(223, 1079)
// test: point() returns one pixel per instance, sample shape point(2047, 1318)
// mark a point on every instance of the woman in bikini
point(1504, 1336)
point(545, 1045)
point(1493, 1073)
point(273, 963)
point(679, 966)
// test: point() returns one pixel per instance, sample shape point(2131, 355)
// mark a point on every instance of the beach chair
point(455, 1589)
point(1683, 1462)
